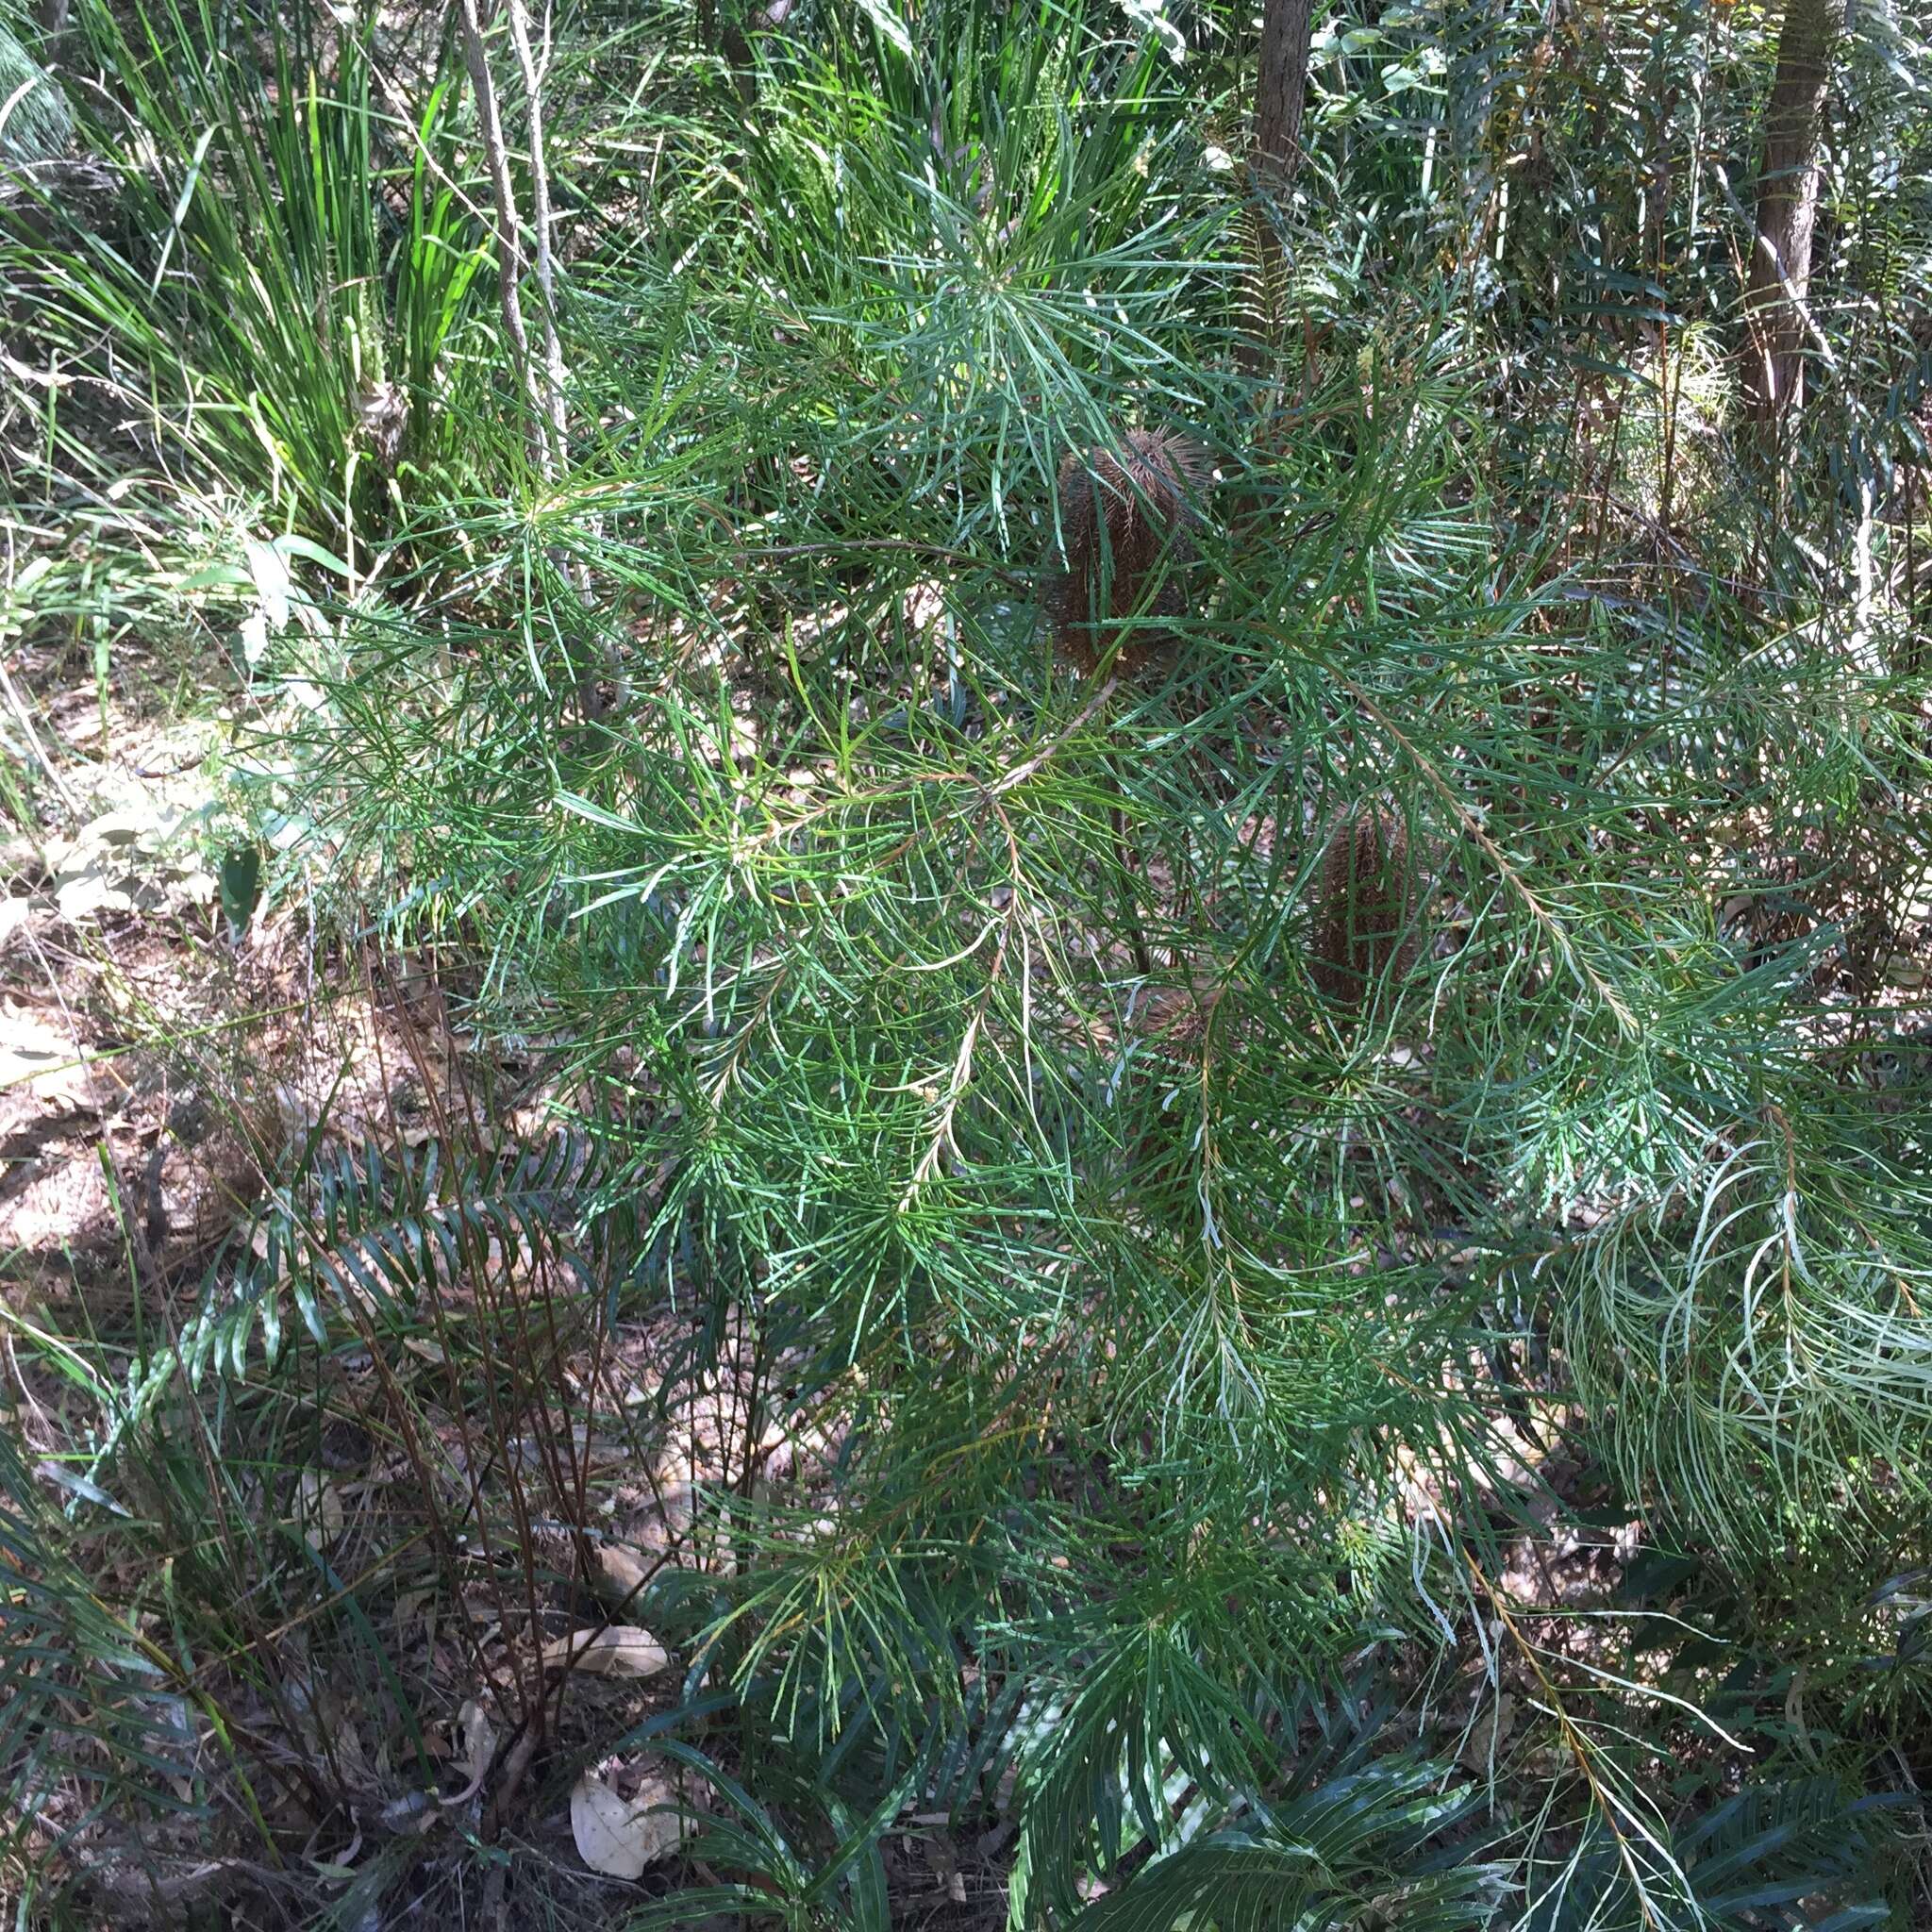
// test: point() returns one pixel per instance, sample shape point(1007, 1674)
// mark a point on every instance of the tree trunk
point(510, 253)
point(554, 376)
point(1280, 86)
point(1787, 207)
point(53, 16)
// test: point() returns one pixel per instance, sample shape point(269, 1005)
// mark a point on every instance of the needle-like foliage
point(1217, 995)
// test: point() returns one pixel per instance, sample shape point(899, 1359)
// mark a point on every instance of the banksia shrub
point(1125, 517)
point(1365, 912)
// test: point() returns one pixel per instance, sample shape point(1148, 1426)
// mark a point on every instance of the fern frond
point(369, 1235)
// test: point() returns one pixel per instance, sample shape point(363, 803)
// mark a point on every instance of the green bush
point(1175, 1358)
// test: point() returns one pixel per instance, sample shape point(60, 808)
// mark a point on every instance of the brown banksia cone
point(1365, 911)
point(1125, 517)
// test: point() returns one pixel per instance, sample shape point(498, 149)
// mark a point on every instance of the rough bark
point(53, 17)
point(1281, 85)
point(1787, 175)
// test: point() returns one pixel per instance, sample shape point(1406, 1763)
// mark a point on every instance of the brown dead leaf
point(318, 1510)
point(43, 1058)
point(619, 1837)
point(618, 1650)
point(480, 1739)
point(621, 1572)
point(1488, 1733)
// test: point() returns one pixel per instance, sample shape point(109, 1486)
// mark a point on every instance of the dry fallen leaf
point(621, 1572)
point(619, 1837)
point(318, 1509)
point(408, 1604)
point(479, 1739)
point(43, 1059)
point(411, 1815)
point(1486, 1734)
point(616, 1651)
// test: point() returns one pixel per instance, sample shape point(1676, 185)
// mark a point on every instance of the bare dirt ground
point(147, 1059)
